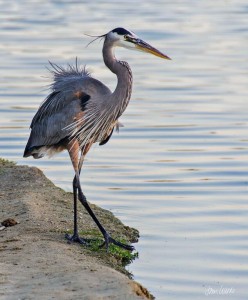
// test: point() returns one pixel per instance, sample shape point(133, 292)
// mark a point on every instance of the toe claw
point(75, 238)
point(102, 245)
point(109, 240)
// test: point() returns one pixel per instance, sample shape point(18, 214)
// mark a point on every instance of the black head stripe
point(121, 31)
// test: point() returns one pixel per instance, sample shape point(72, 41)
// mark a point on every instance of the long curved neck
point(123, 90)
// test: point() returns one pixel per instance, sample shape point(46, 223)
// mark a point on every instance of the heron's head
point(121, 37)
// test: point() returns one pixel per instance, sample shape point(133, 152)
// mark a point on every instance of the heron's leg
point(108, 239)
point(75, 237)
point(73, 149)
point(74, 157)
point(74, 184)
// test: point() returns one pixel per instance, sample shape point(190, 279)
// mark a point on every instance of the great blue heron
point(81, 111)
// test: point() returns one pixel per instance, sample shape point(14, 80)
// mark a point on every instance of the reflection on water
point(178, 169)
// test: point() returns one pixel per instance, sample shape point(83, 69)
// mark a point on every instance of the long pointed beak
point(145, 47)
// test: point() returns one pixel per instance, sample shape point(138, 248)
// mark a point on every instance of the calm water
point(178, 169)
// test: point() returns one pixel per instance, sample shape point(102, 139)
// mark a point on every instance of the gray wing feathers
point(62, 106)
point(50, 129)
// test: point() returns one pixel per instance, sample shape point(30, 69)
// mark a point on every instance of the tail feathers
point(35, 152)
point(27, 152)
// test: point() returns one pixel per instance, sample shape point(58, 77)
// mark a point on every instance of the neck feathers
point(121, 96)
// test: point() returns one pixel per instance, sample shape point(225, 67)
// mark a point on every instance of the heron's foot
point(110, 240)
point(76, 239)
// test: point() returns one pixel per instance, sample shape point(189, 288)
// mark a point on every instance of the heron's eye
point(127, 38)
